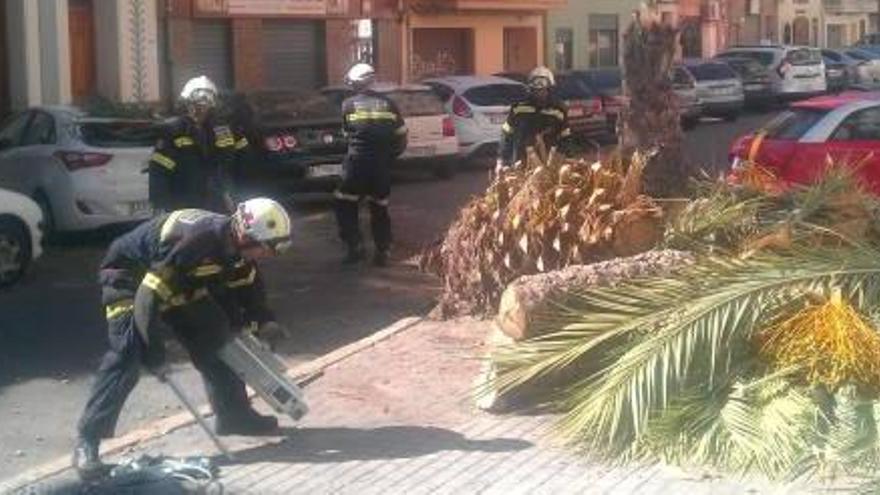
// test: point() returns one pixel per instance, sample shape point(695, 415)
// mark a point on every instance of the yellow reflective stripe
point(565, 132)
point(183, 299)
point(119, 308)
point(183, 141)
point(524, 109)
point(554, 113)
point(370, 115)
point(163, 160)
point(756, 145)
point(346, 197)
point(241, 143)
point(241, 282)
point(225, 142)
point(158, 286)
point(207, 270)
point(506, 129)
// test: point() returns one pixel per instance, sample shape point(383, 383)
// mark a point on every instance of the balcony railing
point(530, 5)
point(850, 6)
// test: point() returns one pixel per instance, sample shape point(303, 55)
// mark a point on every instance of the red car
point(797, 145)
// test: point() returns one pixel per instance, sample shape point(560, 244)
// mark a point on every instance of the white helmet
point(200, 90)
point(360, 75)
point(541, 78)
point(264, 221)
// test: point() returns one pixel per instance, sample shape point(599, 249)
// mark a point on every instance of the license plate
point(326, 170)
point(497, 118)
point(138, 208)
point(754, 87)
point(422, 151)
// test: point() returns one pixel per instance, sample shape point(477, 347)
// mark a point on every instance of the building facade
point(588, 34)
point(826, 23)
point(473, 36)
point(67, 51)
point(751, 22)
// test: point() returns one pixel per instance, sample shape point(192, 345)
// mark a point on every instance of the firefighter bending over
point(191, 273)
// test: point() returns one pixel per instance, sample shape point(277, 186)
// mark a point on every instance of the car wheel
point(48, 218)
point(444, 170)
point(15, 252)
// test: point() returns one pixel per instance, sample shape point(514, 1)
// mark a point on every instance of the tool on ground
point(264, 372)
point(195, 413)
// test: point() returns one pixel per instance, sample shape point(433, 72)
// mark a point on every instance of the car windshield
point(764, 58)
point(572, 88)
point(492, 95)
point(279, 107)
point(746, 67)
point(417, 103)
point(793, 124)
point(711, 72)
point(803, 56)
point(862, 55)
point(605, 81)
point(120, 134)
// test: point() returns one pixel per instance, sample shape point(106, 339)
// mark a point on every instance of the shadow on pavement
point(332, 445)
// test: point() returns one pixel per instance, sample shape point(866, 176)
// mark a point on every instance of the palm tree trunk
point(650, 119)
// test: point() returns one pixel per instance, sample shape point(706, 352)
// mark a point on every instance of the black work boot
point(354, 255)
point(246, 423)
point(87, 461)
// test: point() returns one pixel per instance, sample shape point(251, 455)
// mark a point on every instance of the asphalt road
point(52, 332)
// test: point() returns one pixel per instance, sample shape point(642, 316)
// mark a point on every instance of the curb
point(181, 420)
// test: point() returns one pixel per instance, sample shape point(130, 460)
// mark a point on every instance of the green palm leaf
point(670, 334)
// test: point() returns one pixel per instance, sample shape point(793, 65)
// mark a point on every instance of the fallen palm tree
point(761, 357)
point(539, 217)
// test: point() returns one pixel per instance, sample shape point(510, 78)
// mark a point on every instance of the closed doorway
point(81, 22)
point(442, 52)
point(210, 54)
point(520, 49)
point(293, 54)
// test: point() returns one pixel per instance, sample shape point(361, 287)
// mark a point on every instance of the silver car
point(719, 88)
point(84, 172)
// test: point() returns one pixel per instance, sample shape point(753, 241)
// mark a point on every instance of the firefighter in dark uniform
point(377, 135)
point(540, 114)
point(191, 273)
point(194, 162)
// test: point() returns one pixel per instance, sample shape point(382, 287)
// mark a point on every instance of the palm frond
point(680, 330)
point(763, 425)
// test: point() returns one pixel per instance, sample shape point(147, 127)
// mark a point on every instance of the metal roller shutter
point(210, 55)
point(293, 54)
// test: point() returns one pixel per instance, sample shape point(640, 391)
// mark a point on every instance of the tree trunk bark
point(531, 296)
point(650, 119)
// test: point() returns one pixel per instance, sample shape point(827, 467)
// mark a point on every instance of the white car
point(20, 235)
point(478, 106)
point(431, 139)
point(795, 71)
point(84, 172)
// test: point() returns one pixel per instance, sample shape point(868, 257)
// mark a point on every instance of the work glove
point(272, 333)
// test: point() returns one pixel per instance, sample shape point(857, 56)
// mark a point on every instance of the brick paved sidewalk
point(397, 418)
